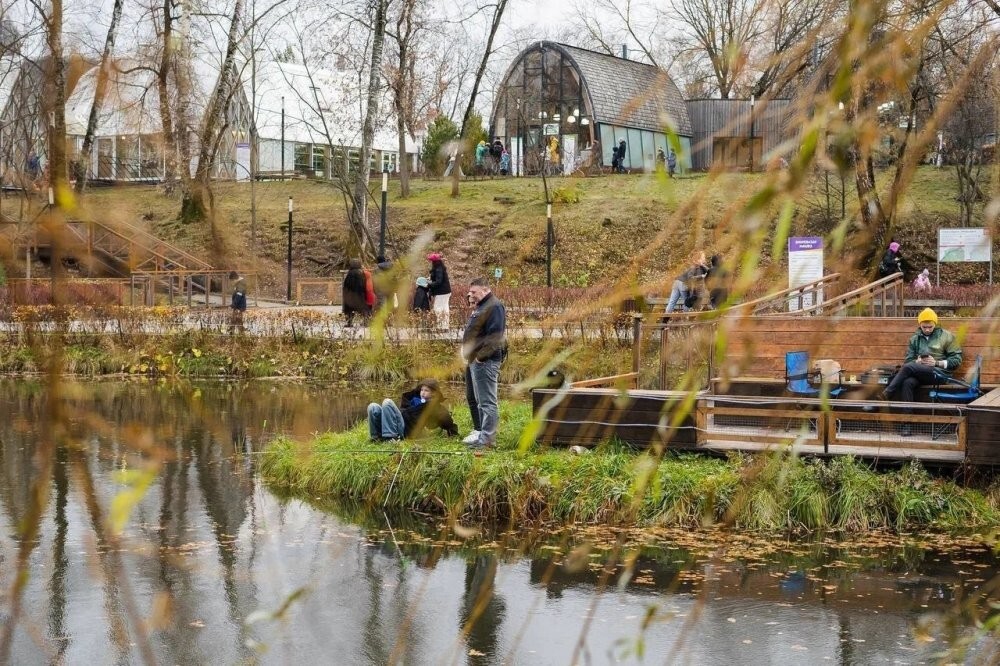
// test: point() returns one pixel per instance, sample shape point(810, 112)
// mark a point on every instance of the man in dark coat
point(484, 347)
point(355, 292)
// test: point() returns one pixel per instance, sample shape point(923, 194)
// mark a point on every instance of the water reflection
point(213, 567)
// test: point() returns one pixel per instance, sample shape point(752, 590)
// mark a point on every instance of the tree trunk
point(170, 144)
point(200, 205)
point(359, 218)
point(404, 163)
point(82, 165)
point(57, 126)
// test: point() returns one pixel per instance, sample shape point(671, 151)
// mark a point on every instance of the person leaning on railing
point(932, 350)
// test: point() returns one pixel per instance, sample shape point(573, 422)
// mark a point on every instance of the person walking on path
point(671, 163)
point(420, 408)
point(440, 290)
point(238, 302)
point(892, 261)
point(484, 347)
point(354, 292)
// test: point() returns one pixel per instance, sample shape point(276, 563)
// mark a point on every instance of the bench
point(756, 346)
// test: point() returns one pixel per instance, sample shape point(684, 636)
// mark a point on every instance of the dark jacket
point(485, 336)
point(717, 282)
point(431, 415)
point(892, 262)
point(421, 299)
point(239, 300)
point(440, 285)
point(940, 344)
point(354, 291)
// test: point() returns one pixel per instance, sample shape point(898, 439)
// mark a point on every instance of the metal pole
point(548, 245)
point(288, 295)
point(385, 199)
point(751, 132)
point(283, 143)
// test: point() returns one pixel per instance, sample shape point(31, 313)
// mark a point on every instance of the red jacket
point(369, 289)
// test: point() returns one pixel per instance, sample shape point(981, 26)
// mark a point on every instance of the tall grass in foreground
point(758, 492)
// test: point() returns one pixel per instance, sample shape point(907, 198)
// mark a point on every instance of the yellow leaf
point(196, 352)
point(137, 482)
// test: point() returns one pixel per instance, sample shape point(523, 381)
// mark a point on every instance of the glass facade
point(640, 146)
point(543, 97)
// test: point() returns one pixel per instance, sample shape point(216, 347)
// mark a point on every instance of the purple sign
point(803, 243)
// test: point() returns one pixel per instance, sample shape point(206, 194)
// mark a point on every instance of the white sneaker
point(471, 438)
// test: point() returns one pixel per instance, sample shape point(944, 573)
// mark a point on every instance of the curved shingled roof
point(628, 93)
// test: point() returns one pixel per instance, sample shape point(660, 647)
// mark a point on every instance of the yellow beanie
point(927, 315)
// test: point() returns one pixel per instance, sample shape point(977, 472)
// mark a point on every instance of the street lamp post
point(289, 259)
point(549, 240)
point(283, 140)
point(381, 229)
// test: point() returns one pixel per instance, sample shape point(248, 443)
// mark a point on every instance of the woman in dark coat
point(355, 292)
point(892, 262)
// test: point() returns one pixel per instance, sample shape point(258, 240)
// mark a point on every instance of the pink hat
point(894, 246)
point(434, 256)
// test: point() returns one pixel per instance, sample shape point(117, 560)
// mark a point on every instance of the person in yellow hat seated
point(932, 350)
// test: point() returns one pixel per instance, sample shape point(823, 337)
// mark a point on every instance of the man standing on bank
point(932, 350)
point(484, 347)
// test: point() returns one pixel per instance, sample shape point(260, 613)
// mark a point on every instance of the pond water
point(212, 567)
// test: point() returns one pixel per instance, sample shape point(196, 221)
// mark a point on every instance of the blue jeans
point(485, 384)
point(385, 422)
point(470, 398)
point(677, 293)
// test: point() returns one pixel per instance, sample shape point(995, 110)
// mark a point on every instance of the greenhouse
point(562, 108)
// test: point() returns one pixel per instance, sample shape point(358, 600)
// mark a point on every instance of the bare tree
point(608, 25)
point(82, 166)
point(403, 81)
point(360, 209)
point(723, 31)
point(494, 26)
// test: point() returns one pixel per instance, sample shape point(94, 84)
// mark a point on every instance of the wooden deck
point(703, 421)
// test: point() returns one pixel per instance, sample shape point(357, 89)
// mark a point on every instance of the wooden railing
point(881, 298)
point(135, 247)
point(793, 299)
point(332, 286)
point(193, 287)
point(75, 291)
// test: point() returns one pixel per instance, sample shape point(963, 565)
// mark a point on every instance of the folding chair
point(797, 375)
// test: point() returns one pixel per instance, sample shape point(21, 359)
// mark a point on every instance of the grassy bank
point(521, 482)
point(204, 353)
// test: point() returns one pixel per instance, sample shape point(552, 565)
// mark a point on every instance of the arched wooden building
point(589, 102)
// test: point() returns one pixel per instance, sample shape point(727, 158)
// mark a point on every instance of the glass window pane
point(633, 158)
point(303, 157)
point(608, 142)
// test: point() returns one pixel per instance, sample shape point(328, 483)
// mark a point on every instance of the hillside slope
point(601, 224)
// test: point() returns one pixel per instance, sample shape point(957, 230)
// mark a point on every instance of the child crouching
point(420, 408)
